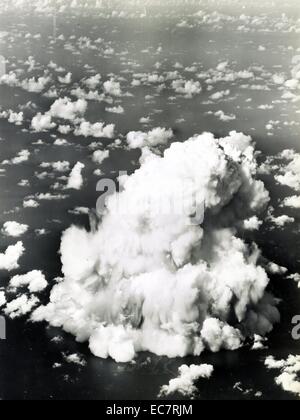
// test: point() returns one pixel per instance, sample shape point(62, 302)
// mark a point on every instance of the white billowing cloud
point(113, 88)
point(16, 118)
point(100, 155)
point(35, 85)
point(217, 335)
point(259, 343)
point(97, 130)
point(188, 88)
point(64, 129)
point(35, 281)
point(79, 211)
point(66, 80)
point(290, 368)
point(22, 156)
point(138, 139)
point(75, 359)
point(220, 95)
point(293, 202)
point(153, 277)
point(291, 172)
point(10, 79)
point(115, 109)
point(224, 117)
point(253, 223)
point(50, 197)
point(21, 306)
point(75, 180)
point(281, 221)
point(13, 117)
point(188, 377)
point(42, 122)
point(65, 109)
point(30, 203)
point(14, 229)
point(93, 81)
point(9, 260)
point(276, 269)
point(2, 299)
point(59, 166)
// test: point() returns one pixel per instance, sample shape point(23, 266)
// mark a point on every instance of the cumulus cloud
point(35, 281)
point(138, 139)
point(281, 221)
point(188, 377)
point(14, 229)
point(293, 202)
point(75, 180)
point(2, 299)
point(66, 109)
point(66, 80)
point(30, 203)
point(97, 130)
point(113, 88)
point(93, 81)
point(22, 156)
point(59, 166)
point(224, 117)
point(220, 95)
point(35, 85)
point(42, 122)
point(290, 368)
point(163, 281)
point(75, 359)
point(253, 223)
point(291, 171)
point(21, 306)
point(9, 260)
point(188, 88)
point(115, 109)
point(100, 155)
point(13, 117)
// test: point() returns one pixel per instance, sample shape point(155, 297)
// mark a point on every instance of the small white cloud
point(35, 281)
point(113, 88)
point(188, 88)
point(97, 130)
point(138, 139)
point(185, 384)
point(9, 260)
point(290, 368)
point(253, 223)
point(75, 359)
point(65, 109)
point(100, 155)
point(2, 299)
point(42, 122)
point(75, 180)
point(30, 203)
point(14, 229)
point(21, 306)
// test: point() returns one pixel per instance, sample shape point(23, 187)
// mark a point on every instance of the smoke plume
point(150, 278)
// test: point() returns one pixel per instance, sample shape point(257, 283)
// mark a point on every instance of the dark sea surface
point(28, 355)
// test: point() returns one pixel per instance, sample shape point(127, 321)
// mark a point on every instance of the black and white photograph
point(149, 202)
